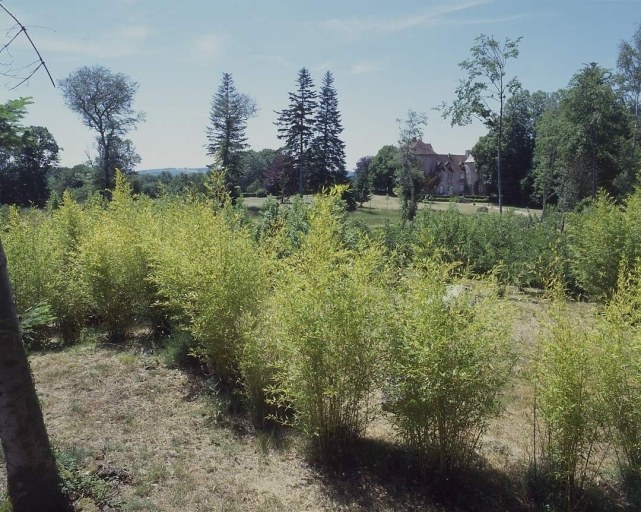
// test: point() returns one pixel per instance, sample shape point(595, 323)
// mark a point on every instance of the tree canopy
point(484, 89)
point(104, 101)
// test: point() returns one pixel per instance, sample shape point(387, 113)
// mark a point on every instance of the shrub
point(326, 325)
point(451, 356)
point(597, 238)
point(620, 340)
point(209, 273)
point(568, 406)
point(43, 271)
point(114, 265)
point(525, 248)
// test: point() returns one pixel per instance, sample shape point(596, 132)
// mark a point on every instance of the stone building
point(449, 174)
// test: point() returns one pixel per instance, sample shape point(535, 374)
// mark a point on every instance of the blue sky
point(387, 57)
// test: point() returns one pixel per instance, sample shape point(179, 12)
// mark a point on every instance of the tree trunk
point(498, 157)
point(33, 480)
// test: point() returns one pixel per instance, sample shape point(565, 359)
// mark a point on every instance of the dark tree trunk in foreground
point(33, 481)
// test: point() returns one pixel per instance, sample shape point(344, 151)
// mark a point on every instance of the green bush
point(620, 340)
point(451, 356)
point(569, 409)
point(43, 271)
point(324, 333)
point(526, 249)
point(209, 273)
point(597, 237)
point(115, 265)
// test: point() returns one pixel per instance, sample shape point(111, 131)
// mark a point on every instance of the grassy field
point(174, 442)
point(382, 209)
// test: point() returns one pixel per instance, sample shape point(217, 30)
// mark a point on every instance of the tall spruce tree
point(226, 140)
point(328, 150)
point(296, 125)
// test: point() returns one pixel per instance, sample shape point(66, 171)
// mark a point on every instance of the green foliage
point(78, 483)
point(620, 339)
point(451, 356)
point(363, 178)
point(38, 316)
point(104, 102)
point(601, 238)
point(209, 274)
point(409, 177)
point(228, 117)
point(114, 265)
point(326, 325)
point(568, 405)
point(485, 85)
point(526, 248)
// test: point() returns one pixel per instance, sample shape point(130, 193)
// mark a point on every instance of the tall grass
point(327, 325)
point(451, 356)
point(570, 412)
point(209, 274)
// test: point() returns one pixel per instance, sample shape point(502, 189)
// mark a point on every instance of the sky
point(386, 57)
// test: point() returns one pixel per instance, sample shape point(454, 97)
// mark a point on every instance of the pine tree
point(228, 117)
point(296, 125)
point(328, 149)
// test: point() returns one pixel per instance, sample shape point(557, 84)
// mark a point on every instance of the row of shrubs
point(585, 249)
point(322, 326)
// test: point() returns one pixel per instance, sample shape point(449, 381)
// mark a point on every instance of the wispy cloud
point(362, 68)
point(121, 41)
point(208, 46)
point(359, 26)
point(499, 19)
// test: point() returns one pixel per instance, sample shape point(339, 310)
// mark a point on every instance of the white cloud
point(357, 27)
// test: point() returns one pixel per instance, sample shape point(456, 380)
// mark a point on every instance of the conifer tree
point(296, 125)
point(328, 149)
point(226, 140)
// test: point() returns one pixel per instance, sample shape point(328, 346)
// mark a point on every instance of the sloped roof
point(418, 147)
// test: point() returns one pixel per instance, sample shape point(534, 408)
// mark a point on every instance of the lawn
point(381, 209)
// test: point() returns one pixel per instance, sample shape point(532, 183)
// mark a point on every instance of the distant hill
point(174, 170)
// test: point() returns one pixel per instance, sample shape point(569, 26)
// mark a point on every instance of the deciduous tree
point(409, 178)
point(629, 66)
point(104, 101)
point(485, 88)
point(522, 111)
point(384, 168)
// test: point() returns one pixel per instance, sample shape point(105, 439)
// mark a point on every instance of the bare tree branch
point(23, 30)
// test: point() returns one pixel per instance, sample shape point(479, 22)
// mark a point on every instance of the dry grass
point(135, 413)
point(184, 451)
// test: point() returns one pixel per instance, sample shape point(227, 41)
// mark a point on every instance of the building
point(449, 174)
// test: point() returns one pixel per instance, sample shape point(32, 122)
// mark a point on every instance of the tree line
point(312, 156)
point(541, 147)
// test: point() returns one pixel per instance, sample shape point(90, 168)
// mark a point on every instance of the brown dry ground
point(125, 408)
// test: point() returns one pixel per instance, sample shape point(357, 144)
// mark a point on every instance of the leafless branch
point(23, 30)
